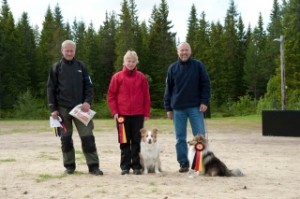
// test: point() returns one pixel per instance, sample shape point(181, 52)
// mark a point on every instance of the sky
point(179, 11)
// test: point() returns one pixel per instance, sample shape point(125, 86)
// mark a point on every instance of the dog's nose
point(149, 141)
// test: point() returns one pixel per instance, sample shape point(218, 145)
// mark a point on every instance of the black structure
point(281, 123)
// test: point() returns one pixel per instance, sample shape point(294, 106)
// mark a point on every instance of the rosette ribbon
point(121, 130)
point(198, 161)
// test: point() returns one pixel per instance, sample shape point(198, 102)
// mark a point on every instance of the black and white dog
point(212, 166)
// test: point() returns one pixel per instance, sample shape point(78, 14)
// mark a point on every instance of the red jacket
point(128, 93)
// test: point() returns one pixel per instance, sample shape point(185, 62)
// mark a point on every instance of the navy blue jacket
point(187, 85)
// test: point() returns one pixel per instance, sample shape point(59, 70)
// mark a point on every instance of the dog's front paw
point(157, 171)
point(191, 171)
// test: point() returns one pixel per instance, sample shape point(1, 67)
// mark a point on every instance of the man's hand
point(85, 107)
point(203, 108)
point(55, 114)
point(170, 115)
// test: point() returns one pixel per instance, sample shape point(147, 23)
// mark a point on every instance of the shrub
point(245, 106)
point(29, 107)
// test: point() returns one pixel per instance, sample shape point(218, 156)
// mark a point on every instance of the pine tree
point(291, 31)
point(79, 31)
point(162, 47)
point(27, 56)
point(125, 36)
point(202, 40)
point(193, 26)
point(47, 52)
point(231, 66)
point(93, 61)
point(272, 95)
point(215, 63)
point(107, 56)
point(256, 74)
point(143, 49)
point(8, 59)
point(241, 57)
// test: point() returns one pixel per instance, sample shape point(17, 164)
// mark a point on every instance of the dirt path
point(31, 165)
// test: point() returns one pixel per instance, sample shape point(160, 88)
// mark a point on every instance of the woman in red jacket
point(129, 102)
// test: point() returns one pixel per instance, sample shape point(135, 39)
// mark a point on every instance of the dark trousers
point(130, 150)
point(87, 141)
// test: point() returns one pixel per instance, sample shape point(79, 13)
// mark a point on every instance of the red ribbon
point(198, 162)
point(121, 130)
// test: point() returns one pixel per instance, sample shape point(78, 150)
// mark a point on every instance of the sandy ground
point(31, 165)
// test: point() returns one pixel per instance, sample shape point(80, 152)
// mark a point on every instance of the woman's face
point(130, 63)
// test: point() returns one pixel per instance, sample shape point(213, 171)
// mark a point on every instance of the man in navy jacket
point(187, 95)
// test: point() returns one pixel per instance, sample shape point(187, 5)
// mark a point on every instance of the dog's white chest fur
point(150, 152)
point(191, 154)
point(149, 155)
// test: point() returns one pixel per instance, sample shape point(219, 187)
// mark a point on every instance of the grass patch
point(46, 177)
point(44, 155)
point(79, 156)
point(164, 125)
point(8, 160)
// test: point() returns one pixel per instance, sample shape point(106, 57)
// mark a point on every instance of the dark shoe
point(123, 172)
point(137, 172)
point(184, 168)
point(96, 172)
point(69, 171)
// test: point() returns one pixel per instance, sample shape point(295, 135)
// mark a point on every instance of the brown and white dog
point(212, 166)
point(149, 155)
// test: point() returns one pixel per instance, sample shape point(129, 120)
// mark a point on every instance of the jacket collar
point(184, 62)
point(129, 72)
point(68, 61)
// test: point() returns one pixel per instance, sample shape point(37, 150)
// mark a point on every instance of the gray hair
point(183, 43)
point(68, 42)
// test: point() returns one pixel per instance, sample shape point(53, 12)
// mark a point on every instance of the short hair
point(183, 43)
point(131, 53)
point(68, 42)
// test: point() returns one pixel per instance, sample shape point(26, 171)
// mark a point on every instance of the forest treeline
point(243, 61)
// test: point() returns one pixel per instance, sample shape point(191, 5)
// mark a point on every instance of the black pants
point(130, 150)
point(87, 140)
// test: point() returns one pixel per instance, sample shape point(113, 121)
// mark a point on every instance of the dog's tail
point(236, 172)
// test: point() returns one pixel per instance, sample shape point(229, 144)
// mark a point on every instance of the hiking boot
point(96, 172)
point(69, 171)
point(123, 172)
point(184, 168)
point(137, 172)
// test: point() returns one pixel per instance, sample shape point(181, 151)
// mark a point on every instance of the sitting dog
point(212, 166)
point(149, 155)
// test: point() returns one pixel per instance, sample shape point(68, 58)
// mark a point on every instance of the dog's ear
point(143, 131)
point(154, 132)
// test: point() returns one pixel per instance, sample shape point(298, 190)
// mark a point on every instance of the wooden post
point(282, 66)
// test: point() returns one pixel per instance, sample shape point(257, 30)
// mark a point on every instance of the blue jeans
point(180, 117)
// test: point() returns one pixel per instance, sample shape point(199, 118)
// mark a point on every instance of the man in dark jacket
point(187, 95)
point(69, 84)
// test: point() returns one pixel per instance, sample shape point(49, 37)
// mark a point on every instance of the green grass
point(46, 177)
point(253, 118)
point(108, 125)
point(8, 160)
point(47, 156)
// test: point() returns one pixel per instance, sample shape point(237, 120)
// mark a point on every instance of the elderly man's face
point(68, 52)
point(184, 52)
